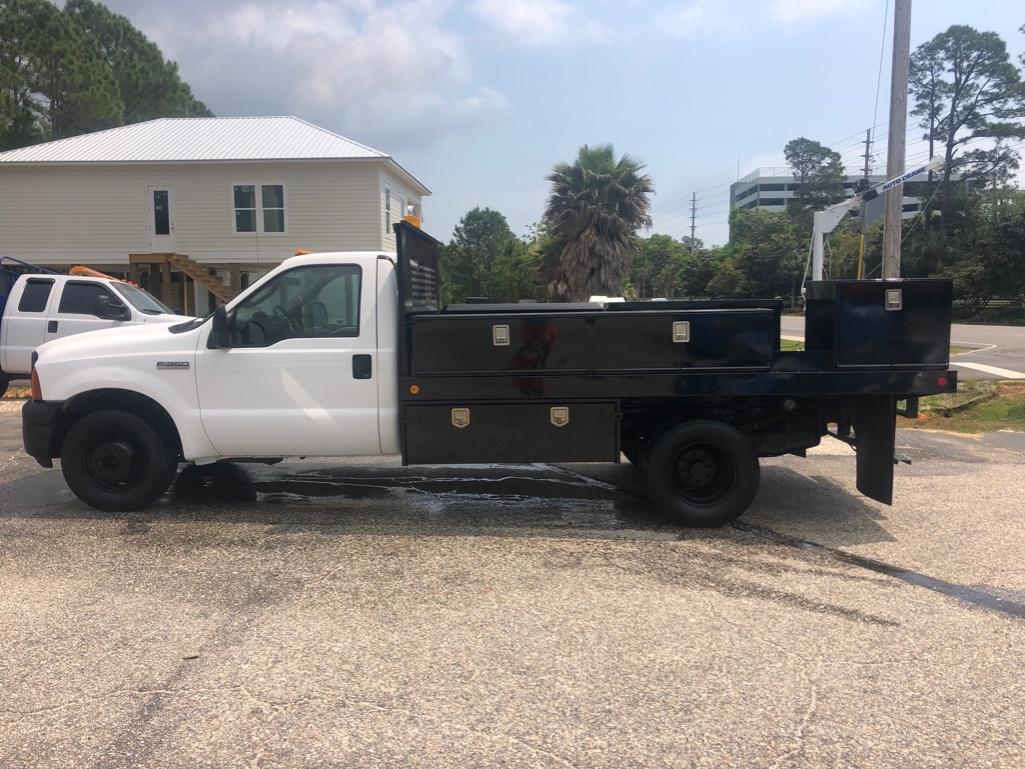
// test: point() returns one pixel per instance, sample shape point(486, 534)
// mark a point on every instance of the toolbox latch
point(460, 418)
point(894, 299)
point(681, 331)
point(559, 415)
point(500, 335)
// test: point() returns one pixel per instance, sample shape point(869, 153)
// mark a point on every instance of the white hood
point(135, 339)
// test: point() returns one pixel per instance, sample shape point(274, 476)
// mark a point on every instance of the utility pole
point(693, 215)
point(898, 129)
point(867, 170)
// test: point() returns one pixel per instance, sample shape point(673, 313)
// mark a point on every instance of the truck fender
point(185, 416)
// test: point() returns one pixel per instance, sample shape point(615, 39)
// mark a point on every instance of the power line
point(882, 48)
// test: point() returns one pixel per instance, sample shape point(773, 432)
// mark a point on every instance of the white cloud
point(538, 22)
point(792, 11)
point(387, 74)
point(686, 20)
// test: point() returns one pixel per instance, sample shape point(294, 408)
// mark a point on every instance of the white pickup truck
point(351, 354)
point(42, 307)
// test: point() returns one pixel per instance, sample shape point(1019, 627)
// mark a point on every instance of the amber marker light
point(37, 391)
point(414, 389)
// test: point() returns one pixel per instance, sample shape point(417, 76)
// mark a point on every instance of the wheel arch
point(112, 398)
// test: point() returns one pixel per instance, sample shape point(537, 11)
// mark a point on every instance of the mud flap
point(875, 424)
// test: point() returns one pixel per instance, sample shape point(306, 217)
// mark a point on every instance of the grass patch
point(793, 345)
point(978, 406)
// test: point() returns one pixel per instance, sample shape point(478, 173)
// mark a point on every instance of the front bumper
point(38, 427)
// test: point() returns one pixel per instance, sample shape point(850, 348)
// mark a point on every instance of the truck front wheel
point(115, 461)
point(4, 381)
point(702, 473)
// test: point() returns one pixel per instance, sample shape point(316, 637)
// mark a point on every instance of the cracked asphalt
point(369, 615)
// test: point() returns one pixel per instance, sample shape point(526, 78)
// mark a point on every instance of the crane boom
point(826, 220)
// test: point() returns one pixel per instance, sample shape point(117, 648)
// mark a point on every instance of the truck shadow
point(576, 500)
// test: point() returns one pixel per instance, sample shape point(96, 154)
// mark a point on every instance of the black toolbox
point(474, 432)
point(594, 341)
point(898, 323)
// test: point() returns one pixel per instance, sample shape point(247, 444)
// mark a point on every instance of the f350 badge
point(168, 365)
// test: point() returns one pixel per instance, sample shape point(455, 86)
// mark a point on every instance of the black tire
point(115, 461)
point(702, 473)
point(4, 381)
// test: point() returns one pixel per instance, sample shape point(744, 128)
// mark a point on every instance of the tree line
point(78, 69)
point(968, 100)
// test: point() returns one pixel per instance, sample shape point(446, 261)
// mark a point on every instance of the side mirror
point(220, 333)
point(106, 309)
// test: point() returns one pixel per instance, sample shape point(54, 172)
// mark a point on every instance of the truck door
point(25, 324)
point(300, 376)
point(75, 311)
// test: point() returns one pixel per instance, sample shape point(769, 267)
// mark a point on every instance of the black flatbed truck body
point(582, 382)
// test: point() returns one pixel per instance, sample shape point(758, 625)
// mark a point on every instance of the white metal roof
point(171, 140)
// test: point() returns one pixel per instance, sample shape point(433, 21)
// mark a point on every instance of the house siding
point(398, 191)
point(100, 214)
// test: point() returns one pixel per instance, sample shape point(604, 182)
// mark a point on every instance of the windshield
point(143, 301)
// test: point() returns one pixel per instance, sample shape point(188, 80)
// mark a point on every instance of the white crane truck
point(346, 354)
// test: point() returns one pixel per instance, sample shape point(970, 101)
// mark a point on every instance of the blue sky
point(480, 98)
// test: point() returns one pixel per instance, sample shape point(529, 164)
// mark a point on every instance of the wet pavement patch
point(558, 498)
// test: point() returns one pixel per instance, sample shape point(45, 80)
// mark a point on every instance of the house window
point(272, 198)
point(245, 208)
point(268, 216)
point(387, 210)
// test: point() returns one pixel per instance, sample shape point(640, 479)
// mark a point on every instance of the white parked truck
point(42, 306)
point(351, 354)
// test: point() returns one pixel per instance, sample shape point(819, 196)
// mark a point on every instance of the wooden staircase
point(202, 276)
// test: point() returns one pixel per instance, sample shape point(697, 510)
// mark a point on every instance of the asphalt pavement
point(998, 351)
point(369, 615)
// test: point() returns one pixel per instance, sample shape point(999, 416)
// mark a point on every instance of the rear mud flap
point(875, 426)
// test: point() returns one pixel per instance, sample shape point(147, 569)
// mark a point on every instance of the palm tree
point(595, 207)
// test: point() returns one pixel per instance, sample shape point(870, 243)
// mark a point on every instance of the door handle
point(362, 366)
point(51, 327)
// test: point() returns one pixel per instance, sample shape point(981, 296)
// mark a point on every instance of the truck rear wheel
point(115, 461)
point(4, 381)
point(702, 473)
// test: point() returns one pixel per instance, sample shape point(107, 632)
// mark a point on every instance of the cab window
point(80, 298)
point(305, 302)
point(35, 295)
